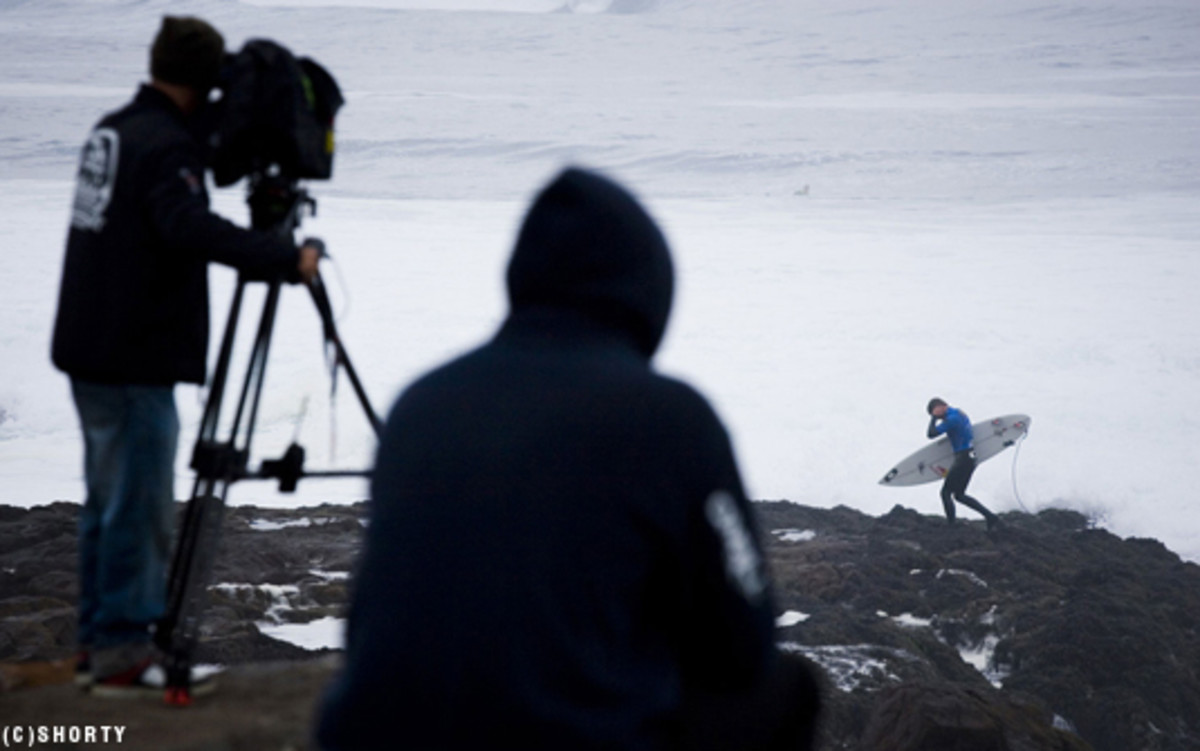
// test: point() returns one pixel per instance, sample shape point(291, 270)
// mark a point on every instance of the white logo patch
point(96, 180)
point(743, 564)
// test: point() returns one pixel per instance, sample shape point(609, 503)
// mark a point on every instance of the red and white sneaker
point(148, 679)
point(83, 670)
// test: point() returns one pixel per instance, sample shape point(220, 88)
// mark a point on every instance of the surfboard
point(932, 462)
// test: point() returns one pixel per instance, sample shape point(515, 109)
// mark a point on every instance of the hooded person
point(560, 553)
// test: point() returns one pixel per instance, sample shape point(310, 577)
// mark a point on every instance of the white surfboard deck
point(932, 462)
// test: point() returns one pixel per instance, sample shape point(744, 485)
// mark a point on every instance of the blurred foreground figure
point(560, 553)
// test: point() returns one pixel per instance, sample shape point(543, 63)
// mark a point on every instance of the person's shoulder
point(141, 107)
point(675, 387)
point(150, 127)
point(448, 378)
point(673, 396)
point(958, 419)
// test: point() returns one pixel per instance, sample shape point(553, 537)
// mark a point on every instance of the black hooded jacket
point(133, 303)
point(559, 542)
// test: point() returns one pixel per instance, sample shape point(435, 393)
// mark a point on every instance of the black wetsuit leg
point(947, 500)
point(955, 487)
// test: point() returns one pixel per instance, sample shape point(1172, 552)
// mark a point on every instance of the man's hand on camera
point(310, 254)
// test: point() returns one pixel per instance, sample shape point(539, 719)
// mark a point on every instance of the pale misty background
point(869, 205)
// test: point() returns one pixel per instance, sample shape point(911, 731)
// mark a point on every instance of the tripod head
point(277, 203)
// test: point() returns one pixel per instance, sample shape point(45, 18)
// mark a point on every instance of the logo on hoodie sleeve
point(743, 562)
point(96, 180)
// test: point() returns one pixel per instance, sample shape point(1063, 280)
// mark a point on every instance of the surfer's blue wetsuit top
point(957, 425)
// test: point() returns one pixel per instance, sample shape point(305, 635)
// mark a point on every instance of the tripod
point(276, 205)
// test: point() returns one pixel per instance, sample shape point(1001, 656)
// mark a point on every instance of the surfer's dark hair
point(935, 402)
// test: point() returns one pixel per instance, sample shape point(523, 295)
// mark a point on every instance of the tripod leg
point(218, 466)
point(321, 299)
point(205, 464)
point(212, 410)
point(192, 572)
point(256, 372)
point(185, 546)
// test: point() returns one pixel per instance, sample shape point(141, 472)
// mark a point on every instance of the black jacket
point(133, 304)
point(559, 542)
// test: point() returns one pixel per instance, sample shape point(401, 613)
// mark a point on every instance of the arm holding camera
point(178, 206)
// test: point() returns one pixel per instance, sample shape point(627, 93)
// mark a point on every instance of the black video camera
point(275, 116)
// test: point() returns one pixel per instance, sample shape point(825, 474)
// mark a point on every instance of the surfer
point(954, 422)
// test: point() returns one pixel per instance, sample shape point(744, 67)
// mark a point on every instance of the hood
point(589, 246)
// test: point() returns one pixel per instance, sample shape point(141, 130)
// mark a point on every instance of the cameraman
point(132, 322)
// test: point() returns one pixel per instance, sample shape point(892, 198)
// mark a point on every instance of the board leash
point(1016, 455)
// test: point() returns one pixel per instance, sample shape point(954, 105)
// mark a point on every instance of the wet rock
point(1048, 634)
point(273, 566)
point(925, 716)
point(1101, 632)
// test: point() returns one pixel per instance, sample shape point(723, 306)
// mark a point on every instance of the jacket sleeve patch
point(743, 562)
point(96, 180)
point(195, 185)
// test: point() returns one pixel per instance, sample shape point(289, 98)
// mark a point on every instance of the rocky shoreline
point(1048, 634)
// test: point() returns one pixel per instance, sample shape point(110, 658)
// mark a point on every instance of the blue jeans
point(130, 435)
